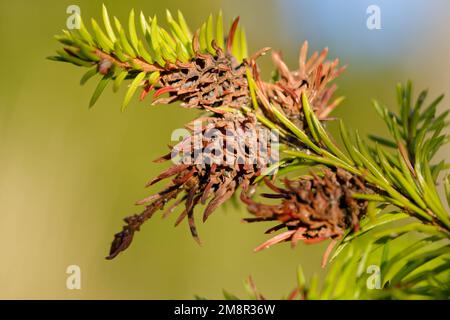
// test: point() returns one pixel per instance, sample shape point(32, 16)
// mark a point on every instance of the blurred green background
point(68, 175)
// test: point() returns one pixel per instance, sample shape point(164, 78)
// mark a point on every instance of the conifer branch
point(353, 187)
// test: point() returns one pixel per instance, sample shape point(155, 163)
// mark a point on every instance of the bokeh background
point(68, 175)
